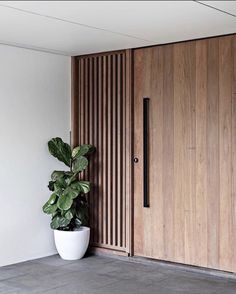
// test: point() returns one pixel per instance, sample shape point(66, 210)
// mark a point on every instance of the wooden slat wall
point(192, 90)
point(103, 118)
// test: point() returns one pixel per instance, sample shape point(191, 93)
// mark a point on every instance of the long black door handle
point(146, 152)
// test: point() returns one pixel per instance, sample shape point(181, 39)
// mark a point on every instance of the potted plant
point(67, 204)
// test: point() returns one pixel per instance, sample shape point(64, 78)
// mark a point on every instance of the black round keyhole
point(135, 159)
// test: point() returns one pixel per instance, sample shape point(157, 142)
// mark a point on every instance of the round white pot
point(72, 245)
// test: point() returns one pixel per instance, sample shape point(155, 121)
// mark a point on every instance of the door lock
point(135, 159)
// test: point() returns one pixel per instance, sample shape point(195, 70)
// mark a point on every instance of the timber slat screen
point(101, 115)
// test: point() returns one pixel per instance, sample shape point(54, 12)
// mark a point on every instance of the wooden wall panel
point(192, 214)
point(233, 150)
point(192, 86)
point(104, 119)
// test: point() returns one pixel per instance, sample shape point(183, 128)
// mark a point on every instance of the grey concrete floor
point(106, 275)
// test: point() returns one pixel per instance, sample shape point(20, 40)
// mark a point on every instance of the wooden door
point(192, 152)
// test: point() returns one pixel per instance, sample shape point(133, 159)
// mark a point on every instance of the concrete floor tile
point(54, 260)
point(128, 271)
point(7, 273)
point(229, 288)
point(131, 287)
point(89, 264)
point(105, 275)
point(4, 289)
point(194, 284)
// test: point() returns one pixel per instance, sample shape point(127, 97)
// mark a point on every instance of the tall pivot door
point(185, 152)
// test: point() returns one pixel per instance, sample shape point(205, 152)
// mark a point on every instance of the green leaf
point(51, 185)
point(49, 208)
point(57, 174)
point(60, 184)
point(82, 215)
point(75, 151)
point(84, 186)
point(75, 186)
point(60, 150)
point(79, 164)
point(64, 202)
point(59, 221)
point(58, 190)
point(55, 223)
point(63, 222)
point(52, 199)
point(71, 179)
point(55, 213)
point(78, 223)
point(71, 192)
point(69, 215)
point(82, 150)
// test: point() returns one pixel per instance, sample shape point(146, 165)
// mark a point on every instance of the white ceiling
point(81, 27)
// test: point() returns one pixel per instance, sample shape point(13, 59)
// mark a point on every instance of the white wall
point(34, 107)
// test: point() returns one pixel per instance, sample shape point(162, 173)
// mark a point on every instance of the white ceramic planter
point(72, 245)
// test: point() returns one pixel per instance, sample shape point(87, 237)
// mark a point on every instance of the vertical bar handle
point(146, 152)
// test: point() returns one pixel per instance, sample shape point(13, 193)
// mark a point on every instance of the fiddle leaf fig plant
point(67, 204)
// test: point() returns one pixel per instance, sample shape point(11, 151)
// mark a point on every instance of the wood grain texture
point(104, 119)
point(212, 146)
point(192, 214)
point(201, 152)
point(74, 102)
point(129, 107)
point(233, 150)
point(168, 151)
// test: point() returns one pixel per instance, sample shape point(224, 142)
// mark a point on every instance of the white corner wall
point(34, 107)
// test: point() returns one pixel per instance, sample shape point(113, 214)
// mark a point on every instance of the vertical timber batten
point(101, 114)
